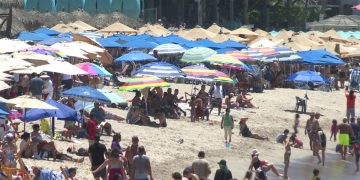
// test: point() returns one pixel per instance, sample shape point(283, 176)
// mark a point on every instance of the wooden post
point(245, 12)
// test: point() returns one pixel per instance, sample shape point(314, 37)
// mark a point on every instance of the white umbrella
point(61, 67)
point(70, 51)
point(12, 45)
point(4, 86)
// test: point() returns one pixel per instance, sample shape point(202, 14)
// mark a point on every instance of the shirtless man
point(344, 136)
point(228, 102)
point(315, 136)
point(287, 157)
point(308, 128)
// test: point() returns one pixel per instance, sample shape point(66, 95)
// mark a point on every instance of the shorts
point(287, 157)
point(101, 173)
point(350, 112)
point(344, 139)
point(228, 131)
point(217, 102)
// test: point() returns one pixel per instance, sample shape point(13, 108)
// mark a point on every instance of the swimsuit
point(246, 132)
point(116, 169)
point(344, 139)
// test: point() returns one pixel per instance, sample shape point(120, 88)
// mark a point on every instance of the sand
point(275, 113)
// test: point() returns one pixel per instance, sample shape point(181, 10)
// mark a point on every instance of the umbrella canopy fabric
point(167, 49)
point(139, 83)
point(34, 58)
point(319, 57)
point(3, 109)
point(135, 56)
point(93, 69)
point(308, 76)
point(86, 93)
point(30, 102)
point(29, 36)
point(197, 54)
point(233, 44)
point(159, 69)
point(117, 28)
point(209, 44)
point(46, 31)
point(223, 59)
point(44, 50)
point(140, 44)
point(62, 67)
point(63, 112)
point(116, 99)
point(198, 71)
point(4, 86)
point(12, 45)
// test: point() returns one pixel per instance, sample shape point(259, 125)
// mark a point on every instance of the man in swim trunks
point(344, 136)
point(308, 127)
point(287, 157)
point(315, 136)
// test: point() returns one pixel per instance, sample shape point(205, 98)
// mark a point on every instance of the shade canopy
point(139, 83)
point(116, 99)
point(140, 44)
point(62, 67)
point(117, 28)
point(197, 54)
point(135, 56)
point(30, 102)
point(86, 93)
point(223, 59)
point(159, 69)
point(319, 57)
point(63, 112)
point(4, 86)
point(308, 76)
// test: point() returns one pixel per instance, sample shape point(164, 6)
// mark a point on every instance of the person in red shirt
point(350, 104)
point(91, 125)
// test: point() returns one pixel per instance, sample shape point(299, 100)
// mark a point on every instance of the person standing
point(96, 156)
point(296, 123)
point(201, 166)
point(217, 94)
point(48, 90)
point(91, 125)
point(287, 155)
point(223, 173)
point(355, 127)
point(308, 128)
point(36, 86)
point(99, 113)
point(227, 122)
point(132, 151)
point(141, 169)
point(350, 103)
point(345, 131)
point(67, 81)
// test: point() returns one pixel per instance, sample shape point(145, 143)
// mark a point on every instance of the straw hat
point(243, 119)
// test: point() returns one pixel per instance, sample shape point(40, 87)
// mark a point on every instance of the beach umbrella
point(197, 54)
point(12, 45)
point(139, 44)
point(223, 59)
point(135, 56)
point(3, 109)
point(33, 57)
point(168, 49)
point(138, 83)
point(159, 69)
point(93, 69)
point(232, 44)
point(308, 76)
point(61, 67)
point(209, 44)
point(3, 100)
point(86, 93)
point(222, 77)
point(116, 99)
point(44, 50)
point(198, 72)
point(4, 86)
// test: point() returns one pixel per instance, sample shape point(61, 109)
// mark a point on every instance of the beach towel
point(47, 174)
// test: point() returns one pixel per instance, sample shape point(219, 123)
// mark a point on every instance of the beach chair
point(300, 102)
point(22, 170)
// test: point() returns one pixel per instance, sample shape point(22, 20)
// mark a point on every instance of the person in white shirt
point(217, 94)
point(48, 90)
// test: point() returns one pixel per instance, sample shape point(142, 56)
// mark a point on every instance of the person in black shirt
point(223, 173)
point(96, 156)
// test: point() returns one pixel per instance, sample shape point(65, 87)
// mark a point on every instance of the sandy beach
point(275, 113)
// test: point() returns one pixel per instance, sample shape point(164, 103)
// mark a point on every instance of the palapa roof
point(244, 31)
point(224, 37)
point(352, 39)
point(264, 42)
point(284, 35)
point(332, 35)
point(83, 25)
point(154, 30)
point(63, 28)
point(261, 32)
point(339, 22)
point(214, 28)
point(304, 41)
point(296, 46)
point(117, 27)
point(198, 33)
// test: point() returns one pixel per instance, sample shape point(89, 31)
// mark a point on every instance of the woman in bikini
point(115, 165)
point(261, 166)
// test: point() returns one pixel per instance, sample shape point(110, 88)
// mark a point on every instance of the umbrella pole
point(25, 120)
point(52, 127)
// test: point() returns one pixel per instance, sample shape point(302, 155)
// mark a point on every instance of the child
point(316, 174)
point(333, 129)
point(296, 142)
point(296, 123)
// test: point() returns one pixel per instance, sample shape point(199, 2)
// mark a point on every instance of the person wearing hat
point(245, 131)
point(223, 173)
point(48, 90)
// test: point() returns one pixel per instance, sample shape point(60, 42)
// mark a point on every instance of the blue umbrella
point(319, 57)
point(86, 93)
point(209, 44)
point(224, 50)
point(308, 76)
point(135, 56)
point(46, 31)
point(3, 109)
point(108, 43)
point(232, 44)
point(139, 44)
point(63, 112)
point(159, 69)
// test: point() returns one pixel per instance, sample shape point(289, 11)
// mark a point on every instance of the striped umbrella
point(135, 56)
point(222, 77)
point(45, 50)
point(198, 72)
point(93, 69)
point(139, 83)
point(159, 69)
point(167, 49)
point(197, 54)
point(223, 59)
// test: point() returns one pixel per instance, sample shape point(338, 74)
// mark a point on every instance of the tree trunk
point(217, 18)
point(245, 13)
point(288, 12)
point(199, 9)
point(231, 10)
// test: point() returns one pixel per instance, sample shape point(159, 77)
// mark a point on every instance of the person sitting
point(69, 173)
point(295, 142)
point(244, 101)
point(280, 138)
point(229, 103)
point(8, 151)
point(41, 144)
point(245, 131)
point(27, 148)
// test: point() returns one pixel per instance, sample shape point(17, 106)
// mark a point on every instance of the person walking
point(96, 156)
point(217, 94)
point(141, 169)
point(201, 166)
point(227, 123)
point(287, 155)
point(345, 131)
point(350, 103)
point(223, 173)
